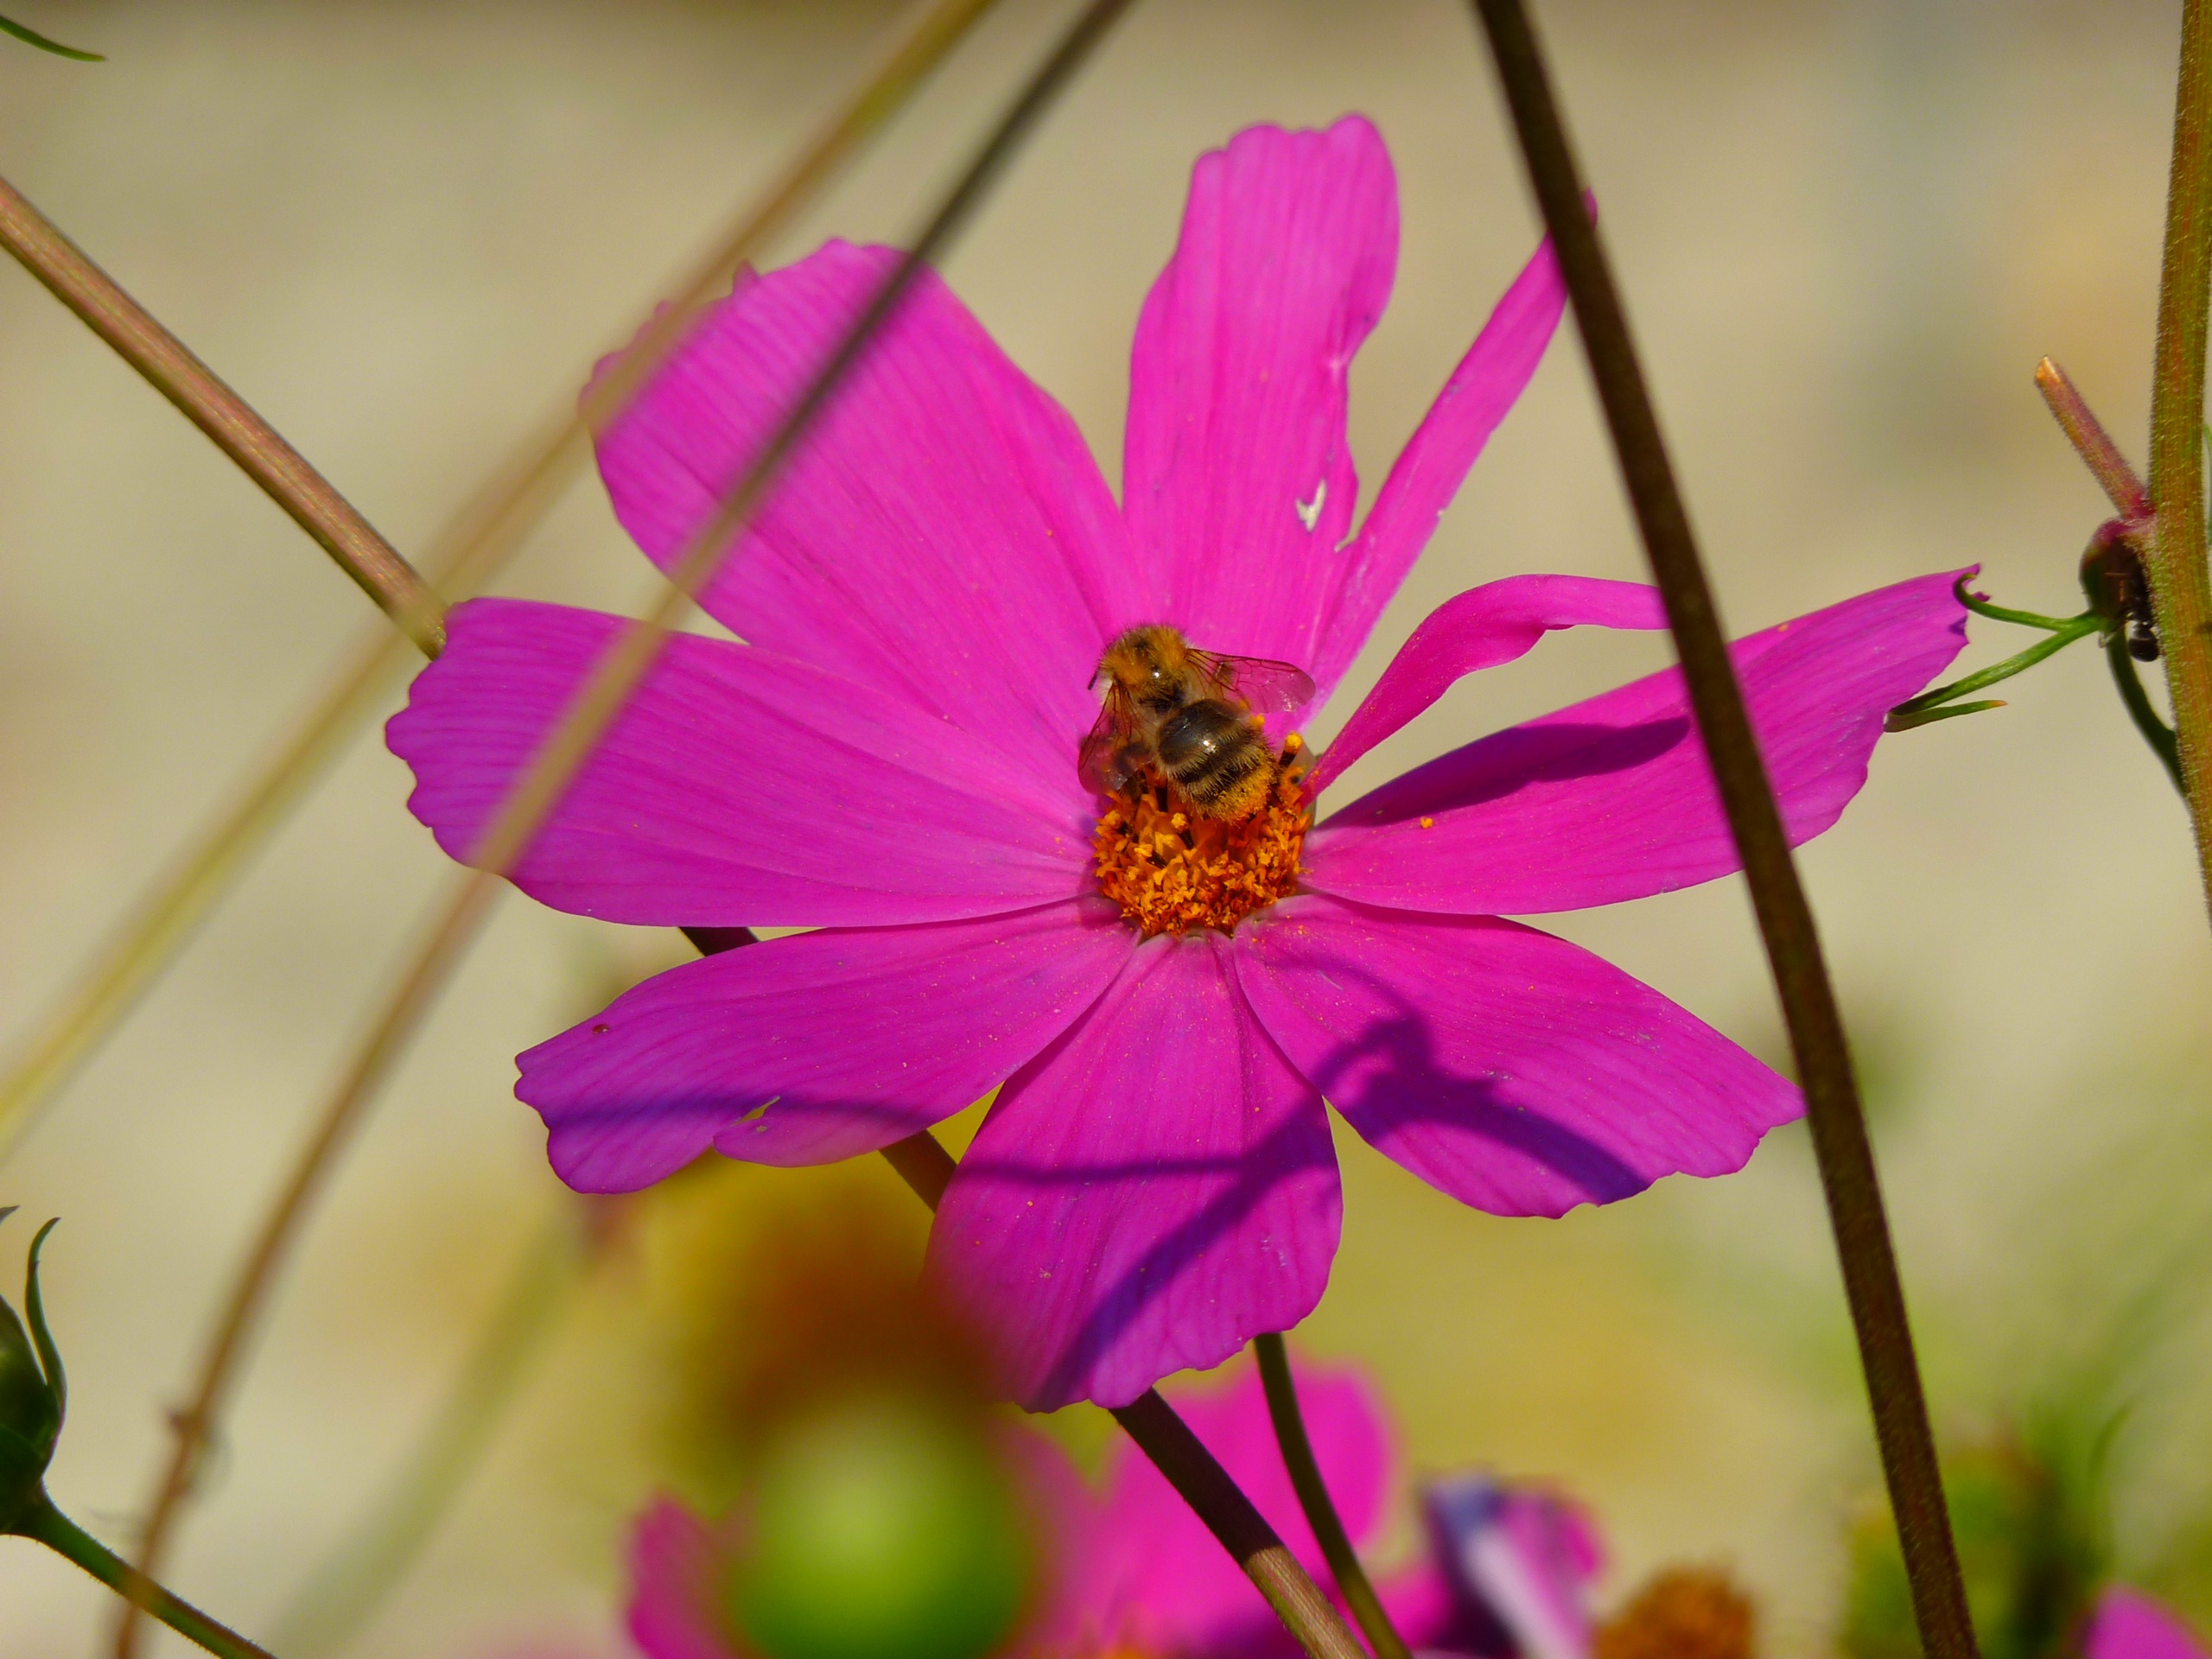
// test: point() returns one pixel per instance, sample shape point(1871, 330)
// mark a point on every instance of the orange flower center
point(1685, 1613)
point(1173, 870)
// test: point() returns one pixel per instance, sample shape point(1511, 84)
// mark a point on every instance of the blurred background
point(1846, 233)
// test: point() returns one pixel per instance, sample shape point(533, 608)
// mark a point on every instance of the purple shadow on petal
point(819, 1046)
point(1150, 1192)
point(1613, 798)
point(736, 788)
point(1435, 461)
point(1516, 1073)
point(1479, 629)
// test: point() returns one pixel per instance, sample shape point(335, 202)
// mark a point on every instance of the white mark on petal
point(1309, 512)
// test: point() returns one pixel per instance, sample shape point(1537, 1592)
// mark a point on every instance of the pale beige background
point(1846, 233)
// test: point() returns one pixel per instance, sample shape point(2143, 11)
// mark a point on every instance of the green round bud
point(880, 1529)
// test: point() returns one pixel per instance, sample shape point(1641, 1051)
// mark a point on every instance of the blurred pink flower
point(1506, 1569)
point(2128, 1625)
point(890, 758)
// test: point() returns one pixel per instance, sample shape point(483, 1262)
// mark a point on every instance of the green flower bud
point(881, 1527)
point(33, 1395)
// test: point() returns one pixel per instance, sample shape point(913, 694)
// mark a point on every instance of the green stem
point(1314, 1497)
point(2174, 556)
point(1906, 716)
point(65, 1537)
point(1981, 606)
point(2155, 731)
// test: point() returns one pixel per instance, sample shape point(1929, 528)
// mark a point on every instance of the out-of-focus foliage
point(880, 1526)
point(833, 1419)
point(2029, 1516)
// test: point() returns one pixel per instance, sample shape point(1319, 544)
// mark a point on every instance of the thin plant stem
point(609, 686)
point(2156, 732)
point(1785, 918)
point(2174, 553)
point(1917, 711)
point(465, 556)
point(1304, 1470)
point(1193, 1471)
point(1202, 1484)
point(173, 371)
point(2121, 485)
point(373, 1557)
point(48, 1526)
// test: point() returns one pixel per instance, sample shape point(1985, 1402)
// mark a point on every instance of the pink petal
point(1429, 471)
point(1520, 1557)
point(2129, 1624)
point(943, 538)
point(737, 788)
point(676, 1564)
point(1155, 1580)
point(1613, 798)
point(1148, 1194)
point(1514, 1070)
point(1236, 480)
point(816, 1047)
point(1480, 629)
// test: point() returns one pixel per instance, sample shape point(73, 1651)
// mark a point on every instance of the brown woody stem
point(212, 407)
point(1785, 918)
point(2174, 558)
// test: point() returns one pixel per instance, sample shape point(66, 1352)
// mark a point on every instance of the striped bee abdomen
point(1216, 756)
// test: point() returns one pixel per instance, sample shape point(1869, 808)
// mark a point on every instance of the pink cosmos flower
point(1508, 1571)
point(890, 759)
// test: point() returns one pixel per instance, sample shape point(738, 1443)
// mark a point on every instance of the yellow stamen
point(1174, 871)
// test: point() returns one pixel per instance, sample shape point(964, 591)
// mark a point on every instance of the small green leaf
point(1904, 720)
point(49, 1356)
point(32, 37)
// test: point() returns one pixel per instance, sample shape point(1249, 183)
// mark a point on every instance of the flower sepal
point(33, 1396)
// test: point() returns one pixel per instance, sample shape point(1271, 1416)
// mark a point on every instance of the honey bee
point(1190, 718)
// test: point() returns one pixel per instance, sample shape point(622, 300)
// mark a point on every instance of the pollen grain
point(1173, 870)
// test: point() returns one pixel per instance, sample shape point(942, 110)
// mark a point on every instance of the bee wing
point(1264, 685)
point(1100, 763)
